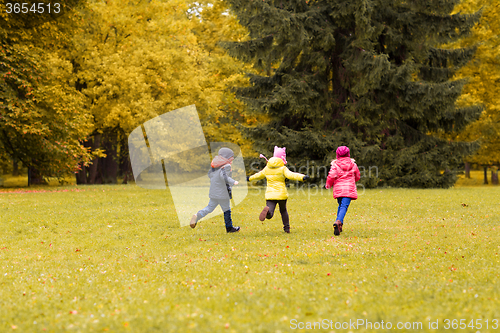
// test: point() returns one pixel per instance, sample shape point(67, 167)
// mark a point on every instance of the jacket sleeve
point(357, 175)
point(293, 175)
point(227, 179)
point(258, 176)
point(332, 176)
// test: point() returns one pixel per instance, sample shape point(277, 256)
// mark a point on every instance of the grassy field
point(113, 258)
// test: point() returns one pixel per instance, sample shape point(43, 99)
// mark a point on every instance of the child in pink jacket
point(343, 176)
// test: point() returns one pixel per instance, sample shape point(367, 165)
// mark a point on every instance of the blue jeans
point(343, 205)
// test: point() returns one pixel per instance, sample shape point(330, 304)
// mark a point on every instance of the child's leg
point(284, 215)
point(342, 210)
point(212, 204)
point(226, 208)
point(272, 206)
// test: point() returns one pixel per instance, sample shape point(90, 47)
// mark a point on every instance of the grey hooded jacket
point(220, 182)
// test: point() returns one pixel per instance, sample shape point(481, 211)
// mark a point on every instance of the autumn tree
point(214, 23)
point(367, 74)
point(41, 118)
point(134, 61)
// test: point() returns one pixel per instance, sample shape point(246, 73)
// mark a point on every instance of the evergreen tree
point(367, 74)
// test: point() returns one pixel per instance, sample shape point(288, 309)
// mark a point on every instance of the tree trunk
point(93, 167)
point(485, 175)
point(126, 170)
point(494, 176)
point(34, 177)
point(109, 165)
point(467, 170)
point(124, 165)
point(81, 176)
point(15, 168)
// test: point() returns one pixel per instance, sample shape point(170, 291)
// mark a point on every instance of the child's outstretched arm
point(293, 175)
point(258, 176)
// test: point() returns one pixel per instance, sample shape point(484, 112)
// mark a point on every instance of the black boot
point(229, 222)
point(233, 229)
point(286, 221)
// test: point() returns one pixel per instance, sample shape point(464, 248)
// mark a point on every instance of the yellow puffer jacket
point(276, 172)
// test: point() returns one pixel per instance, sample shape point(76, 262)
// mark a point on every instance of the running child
point(343, 175)
point(276, 194)
point(220, 189)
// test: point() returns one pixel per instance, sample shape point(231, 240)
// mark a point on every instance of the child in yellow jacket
point(276, 172)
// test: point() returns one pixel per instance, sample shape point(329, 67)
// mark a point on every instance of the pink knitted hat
point(343, 151)
point(280, 153)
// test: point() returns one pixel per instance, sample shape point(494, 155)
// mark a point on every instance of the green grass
point(113, 258)
point(9, 181)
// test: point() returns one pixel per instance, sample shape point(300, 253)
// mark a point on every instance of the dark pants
point(284, 213)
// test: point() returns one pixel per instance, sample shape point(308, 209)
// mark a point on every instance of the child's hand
point(236, 182)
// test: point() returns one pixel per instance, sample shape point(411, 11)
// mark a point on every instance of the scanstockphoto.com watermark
point(318, 173)
point(327, 324)
point(468, 324)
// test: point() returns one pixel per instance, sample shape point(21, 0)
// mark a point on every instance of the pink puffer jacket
point(343, 176)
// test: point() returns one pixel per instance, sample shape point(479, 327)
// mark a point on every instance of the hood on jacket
point(344, 163)
point(227, 168)
point(275, 162)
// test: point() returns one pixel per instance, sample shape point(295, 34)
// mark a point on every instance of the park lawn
point(113, 258)
point(9, 181)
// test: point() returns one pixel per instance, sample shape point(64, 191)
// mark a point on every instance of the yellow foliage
point(137, 61)
point(483, 73)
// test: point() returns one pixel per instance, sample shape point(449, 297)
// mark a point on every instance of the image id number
point(472, 324)
point(36, 8)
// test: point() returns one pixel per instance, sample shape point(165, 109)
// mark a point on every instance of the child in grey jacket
point(220, 189)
